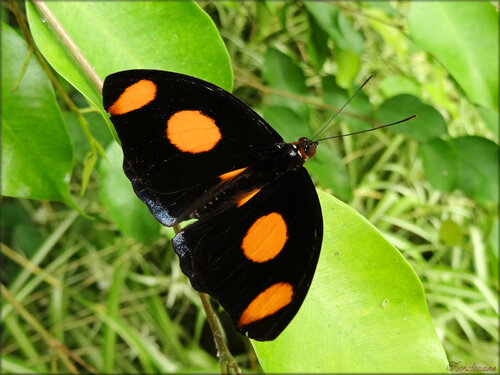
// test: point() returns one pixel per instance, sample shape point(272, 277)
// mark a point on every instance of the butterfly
point(194, 151)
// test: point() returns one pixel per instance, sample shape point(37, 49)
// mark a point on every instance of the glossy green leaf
point(429, 123)
point(384, 25)
point(130, 215)
point(450, 233)
point(120, 35)
point(317, 47)
point(399, 84)
point(337, 26)
point(440, 164)
point(464, 37)
point(478, 166)
point(36, 148)
point(328, 171)
point(365, 311)
point(490, 118)
point(385, 6)
point(348, 64)
point(282, 73)
point(286, 122)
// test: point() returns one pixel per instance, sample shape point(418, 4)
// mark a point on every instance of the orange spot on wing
point(247, 197)
point(134, 97)
point(192, 131)
point(230, 175)
point(266, 303)
point(265, 238)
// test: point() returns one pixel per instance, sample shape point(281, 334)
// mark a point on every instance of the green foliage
point(179, 32)
point(110, 288)
point(465, 39)
point(478, 166)
point(282, 73)
point(440, 162)
point(429, 123)
point(37, 155)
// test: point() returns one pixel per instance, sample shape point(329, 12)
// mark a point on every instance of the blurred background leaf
point(464, 37)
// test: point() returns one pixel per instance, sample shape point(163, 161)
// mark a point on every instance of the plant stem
point(228, 364)
point(68, 42)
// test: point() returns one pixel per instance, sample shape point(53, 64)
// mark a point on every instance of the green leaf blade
point(478, 166)
point(440, 164)
point(464, 37)
point(36, 148)
point(283, 73)
point(115, 36)
point(376, 319)
point(428, 124)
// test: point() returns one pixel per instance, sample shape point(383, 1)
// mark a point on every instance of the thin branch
point(228, 364)
point(68, 42)
point(23, 69)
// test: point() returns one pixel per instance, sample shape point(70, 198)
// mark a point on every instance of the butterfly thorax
point(306, 147)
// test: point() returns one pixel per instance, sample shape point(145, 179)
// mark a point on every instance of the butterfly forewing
point(173, 127)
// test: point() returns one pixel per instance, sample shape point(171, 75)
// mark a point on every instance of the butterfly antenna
point(336, 113)
point(369, 130)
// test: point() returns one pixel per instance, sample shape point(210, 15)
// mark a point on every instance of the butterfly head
point(307, 148)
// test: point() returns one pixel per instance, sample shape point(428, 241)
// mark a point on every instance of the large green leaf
point(347, 40)
point(490, 118)
point(440, 164)
point(317, 45)
point(464, 37)
point(399, 84)
point(36, 148)
point(283, 73)
point(429, 123)
point(365, 311)
point(120, 35)
point(130, 215)
point(337, 26)
point(348, 64)
point(478, 166)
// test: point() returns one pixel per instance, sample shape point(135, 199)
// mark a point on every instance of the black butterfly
point(193, 150)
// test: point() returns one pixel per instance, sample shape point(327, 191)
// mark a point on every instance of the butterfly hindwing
point(258, 259)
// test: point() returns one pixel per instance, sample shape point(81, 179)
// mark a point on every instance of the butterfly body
point(193, 150)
